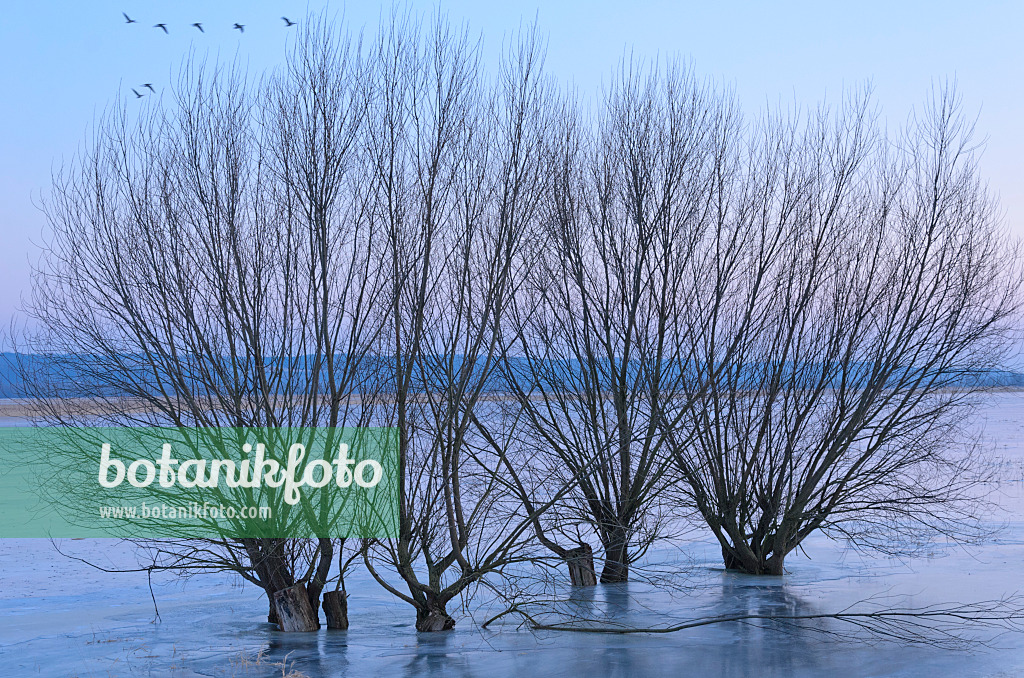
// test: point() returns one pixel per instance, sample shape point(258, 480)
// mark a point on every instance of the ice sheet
point(61, 618)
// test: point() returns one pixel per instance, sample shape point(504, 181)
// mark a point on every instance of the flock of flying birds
point(288, 23)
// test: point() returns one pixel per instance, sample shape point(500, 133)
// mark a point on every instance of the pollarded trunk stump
point(336, 608)
point(581, 566)
point(294, 613)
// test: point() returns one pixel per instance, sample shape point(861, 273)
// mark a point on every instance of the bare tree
point(602, 334)
point(211, 265)
point(882, 287)
point(457, 166)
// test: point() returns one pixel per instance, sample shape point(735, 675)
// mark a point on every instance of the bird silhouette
point(128, 19)
point(199, 26)
point(163, 26)
point(137, 95)
point(240, 27)
point(287, 23)
point(150, 86)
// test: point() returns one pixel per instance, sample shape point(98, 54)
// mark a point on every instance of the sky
point(65, 63)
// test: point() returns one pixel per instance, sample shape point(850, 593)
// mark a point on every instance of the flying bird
point(128, 19)
point(137, 95)
point(199, 26)
point(287, 23)
point(240, 27)
point(163, 26)
point(150, 86)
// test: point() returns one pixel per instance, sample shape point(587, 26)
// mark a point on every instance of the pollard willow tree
point(456, 165)
point(884, 291)
point(211, 264)
point(603, 327)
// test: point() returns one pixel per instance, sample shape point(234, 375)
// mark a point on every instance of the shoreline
point(22, 408)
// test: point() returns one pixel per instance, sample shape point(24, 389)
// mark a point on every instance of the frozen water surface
point(59, 617)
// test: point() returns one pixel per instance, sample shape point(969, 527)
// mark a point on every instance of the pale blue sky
point(65, 62)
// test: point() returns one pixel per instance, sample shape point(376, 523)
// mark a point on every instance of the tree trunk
point(773, 565)
point(732, 561)
point(433, 617)
point(294, 612)
point(319, 580)
point(616, 558)
point(581, 565)
point(336, 609)
point(267, 558)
